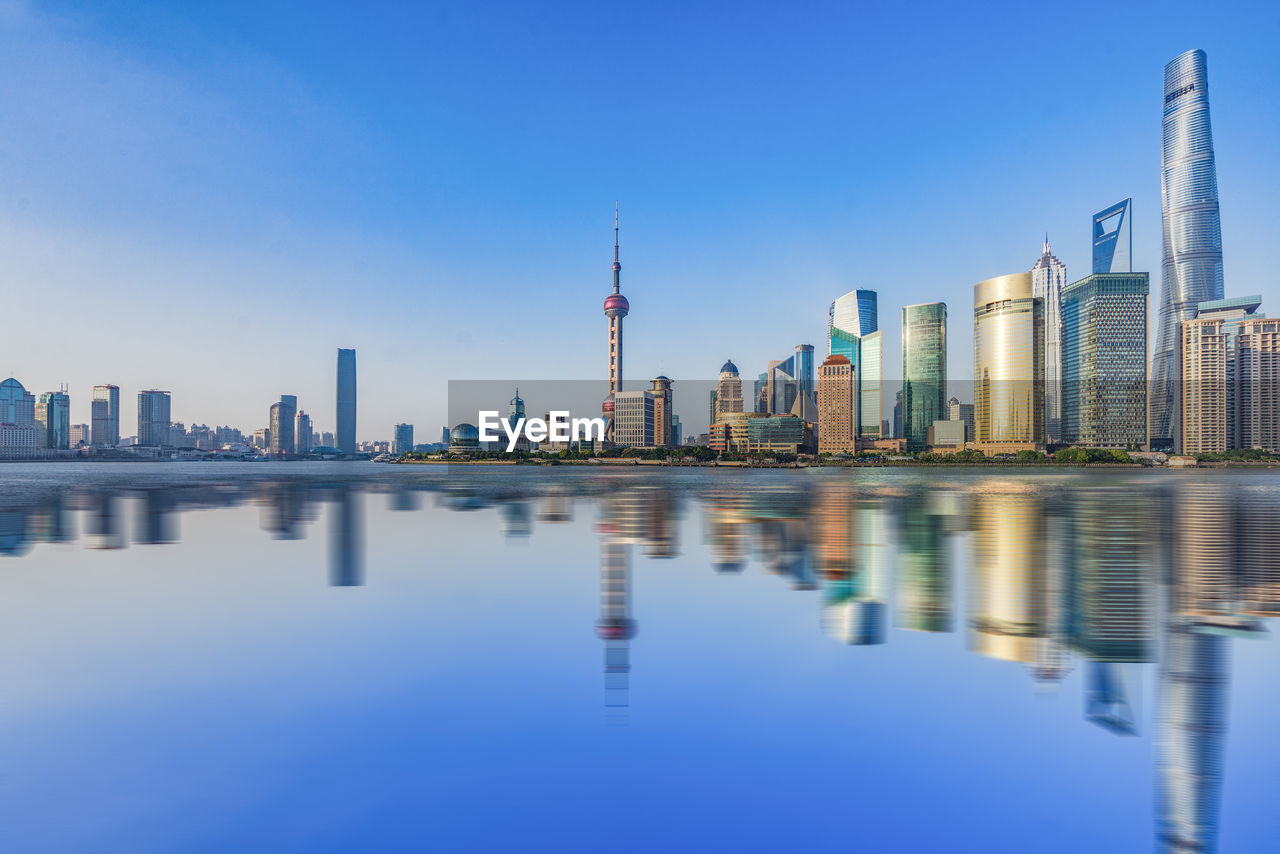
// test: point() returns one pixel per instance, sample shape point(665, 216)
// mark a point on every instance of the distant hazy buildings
point(957, 411)
point(79, 435)
point(1049, 277)
point(1008, 361)
point(924, 370)
point(1192, 254)
point(17, 420)
point(402, 439)
point(837, 406)
point(1104, 361)
point(346, 437)
point(105, 416)
point(153, 417)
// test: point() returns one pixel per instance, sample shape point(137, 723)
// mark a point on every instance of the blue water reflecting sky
point(350, 657)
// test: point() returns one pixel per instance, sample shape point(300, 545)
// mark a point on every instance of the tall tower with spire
point(1048, 278)
point(616, 307)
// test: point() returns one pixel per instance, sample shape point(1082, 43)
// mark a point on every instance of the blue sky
point(212, 200)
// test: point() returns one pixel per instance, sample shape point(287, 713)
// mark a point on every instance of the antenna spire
point(615, 231)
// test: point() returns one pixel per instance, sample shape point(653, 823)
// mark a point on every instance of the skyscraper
point(1113, 239)
point(105, 423)
point(17, 420)
point(402, 443)
point(1207, 362)
point(346, 401)
point(728, 392)
point(302, 433)
point(1192, 265)
point(1008, 361)
point(53, 419)
point(1049, 277)
point(924, 370)
point(851, 321)
point(662, 414)
point(1104, 361)
point(1258, 385)
point(283, 416)
point(153, 417)
point(634, 418)
point(616, 308)
point(837, 406)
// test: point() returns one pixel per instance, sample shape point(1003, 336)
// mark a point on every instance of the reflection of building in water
point(14, 541)
point(51, 523)
point(157, 518)
point(854, 563)
point(1109, 599)
point(556, 505)
point(615, 626)
point(1013, 610)
point(285, 510)
point(781, 518)
point(103, 528)
point(1259, 553)
point(403, 499)
point(346, 536)
point(727, 530)
point(517, 519)
point(924, 577)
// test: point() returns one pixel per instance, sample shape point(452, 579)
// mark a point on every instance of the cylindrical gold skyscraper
point(1008, 361)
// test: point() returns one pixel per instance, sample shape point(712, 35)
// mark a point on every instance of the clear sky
point(212, 198)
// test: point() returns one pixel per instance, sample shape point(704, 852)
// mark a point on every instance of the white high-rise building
point(1048, 278)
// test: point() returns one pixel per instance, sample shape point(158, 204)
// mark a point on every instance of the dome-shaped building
point(729, 368)
point(464, 438)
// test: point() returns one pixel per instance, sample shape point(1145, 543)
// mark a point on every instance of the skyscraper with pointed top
point(616, 307)
point(1048, 278)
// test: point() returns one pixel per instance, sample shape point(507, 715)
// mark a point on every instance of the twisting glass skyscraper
point(1192, 268)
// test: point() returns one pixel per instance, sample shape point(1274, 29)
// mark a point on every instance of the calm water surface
point(350, 657)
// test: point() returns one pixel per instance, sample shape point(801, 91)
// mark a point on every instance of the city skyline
point(168, 245)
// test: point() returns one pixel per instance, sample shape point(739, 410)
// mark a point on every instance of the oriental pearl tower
point(616, 307)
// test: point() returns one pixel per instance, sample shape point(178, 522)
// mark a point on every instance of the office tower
point(924, 370)
point(1008, 361)
point(444, 435)
point(957, 411)
point(634, 419)
point(852, 321)
point(346, 433)
point(302, 433)
point(326, 438)
point(283, 415)
point(53, 419)
point(711, 413)
point(17, 420)
point(677, 432)
point(728, 394)
point(897, 414)
point(662, 414)
point(402, 439)
point(1113, 239)
point(760, 394)
point(804, 368)
point(870, 383)
point(1257, 397)
point(79, 435)
point(153, 417)
point(1104, 361)
point(105, 421)
point(1049, 277)
point(837, 406)
point(1192, 245)
point(616, 308)
point(262, 438)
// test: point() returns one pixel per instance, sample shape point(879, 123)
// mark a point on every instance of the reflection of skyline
point(1111, 578)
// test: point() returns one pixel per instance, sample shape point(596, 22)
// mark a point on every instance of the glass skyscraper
point(924, 370)
point(850, 320)
point(105, 423)
point(1008, 361)
point(153, 417)
point(1192, 257)
point(1104, 361)
point(346, 401)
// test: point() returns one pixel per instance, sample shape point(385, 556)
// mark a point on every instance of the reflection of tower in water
point(1014, 611)
point(1109, 600)
point(346, 535)
point(852, 557)
point(924, 578)
point(102, 528)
